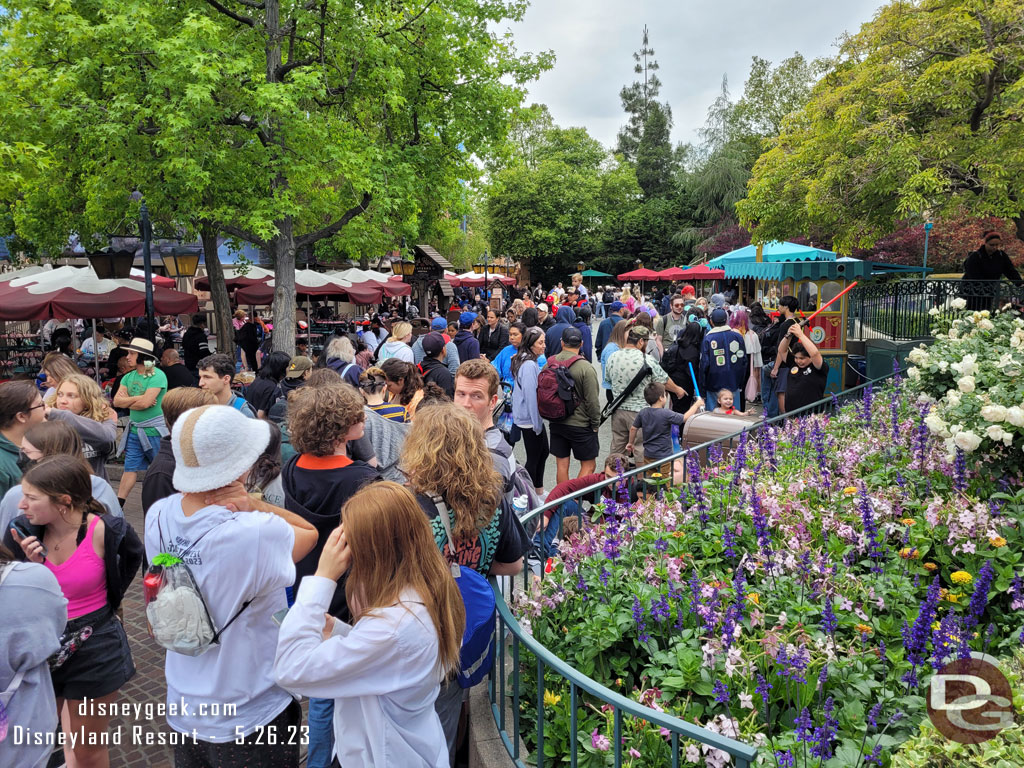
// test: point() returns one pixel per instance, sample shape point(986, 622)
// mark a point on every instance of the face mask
point(24, 462)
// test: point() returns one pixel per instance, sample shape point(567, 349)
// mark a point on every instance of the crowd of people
point(325, 509)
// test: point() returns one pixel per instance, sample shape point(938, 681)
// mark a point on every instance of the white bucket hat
point(213, 446)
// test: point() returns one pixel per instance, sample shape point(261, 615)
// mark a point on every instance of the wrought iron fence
point(505, 688)
point(899, 310)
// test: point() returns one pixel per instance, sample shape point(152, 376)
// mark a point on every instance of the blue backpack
point(477, 654)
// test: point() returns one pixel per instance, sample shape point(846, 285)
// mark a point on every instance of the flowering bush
point(972, 378)
point(796, 595)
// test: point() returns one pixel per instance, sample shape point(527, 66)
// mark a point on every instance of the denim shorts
point(135, 458)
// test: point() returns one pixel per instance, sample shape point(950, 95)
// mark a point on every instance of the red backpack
point(557, 397)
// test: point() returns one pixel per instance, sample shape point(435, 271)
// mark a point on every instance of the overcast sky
point(694, 42)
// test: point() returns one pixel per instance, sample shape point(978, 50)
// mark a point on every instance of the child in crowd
point(725, 404)
point(655, 423)
point(372, 383)
point(383, 670)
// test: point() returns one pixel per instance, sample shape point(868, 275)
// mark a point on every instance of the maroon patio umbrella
point(702, 272)
point(233, 278)
point(315, 284)
point(68, 292)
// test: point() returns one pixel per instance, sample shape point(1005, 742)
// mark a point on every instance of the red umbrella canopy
point(672, 273)
point(69, 292)
point(234, 278)
point(702, 272)
point(163, 282)
point(641, 274)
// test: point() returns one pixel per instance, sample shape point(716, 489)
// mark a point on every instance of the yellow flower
point(908, 521)
point(864, 629)
point(656, 474)
point(952, 597)
point(551, 699)
point(935, 625)
point(910, 553)
point(849, 490)
point(931, 567)
point(997, 541)
point(961, 577)
point(754, 598)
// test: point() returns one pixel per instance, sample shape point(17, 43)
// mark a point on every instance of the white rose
point(934, 311)
point(966, 384)
point(953, 398)
point(935, 423)
point(966, 440)
point(918, 356)
point(943, 365)
point(995, 432)
point(1015, 415)
point(913, 373)
point(1008, 439)
point(985, 313)
point(986, 325)
point(958, 304)
point(968, 366)
point(993, 413)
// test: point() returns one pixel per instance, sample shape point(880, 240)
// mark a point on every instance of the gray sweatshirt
point(35, 613)
point(99, 439)
point(451, 354)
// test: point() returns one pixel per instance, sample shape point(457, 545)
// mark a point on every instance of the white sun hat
point(213, 446)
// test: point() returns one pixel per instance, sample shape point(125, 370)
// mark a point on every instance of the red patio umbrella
point(644, 275)
point(672, 273)
point(702, 272)
point(69, 292)
point(163, 282)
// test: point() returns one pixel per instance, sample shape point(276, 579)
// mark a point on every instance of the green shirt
point(136, 384)
point(622, 367)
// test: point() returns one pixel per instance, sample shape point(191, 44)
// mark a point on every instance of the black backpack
point(770, 339)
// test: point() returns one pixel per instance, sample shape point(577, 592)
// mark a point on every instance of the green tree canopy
point(637, 98)
point(275, 121)
point(922, 114)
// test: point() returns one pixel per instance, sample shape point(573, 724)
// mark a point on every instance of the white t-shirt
point(247, 556)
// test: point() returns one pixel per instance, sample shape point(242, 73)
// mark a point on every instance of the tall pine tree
point(637, 99)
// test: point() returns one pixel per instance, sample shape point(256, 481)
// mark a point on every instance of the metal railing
point(900, 310)
point(504, 680)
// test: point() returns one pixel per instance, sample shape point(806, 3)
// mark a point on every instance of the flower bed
point(796, 595)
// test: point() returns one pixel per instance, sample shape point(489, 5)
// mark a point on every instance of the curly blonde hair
point(445, 454)
point(90, 393)
point(320, 417)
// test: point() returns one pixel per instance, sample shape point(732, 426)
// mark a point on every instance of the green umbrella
point(594, 273)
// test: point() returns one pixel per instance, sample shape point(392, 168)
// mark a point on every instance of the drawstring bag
point(477, 654)
point(175, 608)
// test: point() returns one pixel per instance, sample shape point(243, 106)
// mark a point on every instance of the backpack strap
point(613, 406)
point(443, 513)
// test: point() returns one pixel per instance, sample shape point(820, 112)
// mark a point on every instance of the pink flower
point(692, 753)
point(599, 742)
point(968, 547)
point(634, 752)
point(747, 701)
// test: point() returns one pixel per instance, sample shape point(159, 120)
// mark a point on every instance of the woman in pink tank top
point(70, 540)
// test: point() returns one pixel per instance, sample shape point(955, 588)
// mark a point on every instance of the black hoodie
point(316, 488)
point(436, 371)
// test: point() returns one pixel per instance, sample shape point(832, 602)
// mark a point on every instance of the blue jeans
point(769, 391)
point(550, 533)
point(711, 401)
point(321, 733)
point(136, 459)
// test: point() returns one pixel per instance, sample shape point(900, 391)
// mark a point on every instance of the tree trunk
point(218, 293)
point(282, 248)
point(1019, 224)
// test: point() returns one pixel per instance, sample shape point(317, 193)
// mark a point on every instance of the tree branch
point(284, 69)
point(333, 229)
point(408, 23)
point(231, 14)
point(253, 3)
point(242, 234)
point(250, 124)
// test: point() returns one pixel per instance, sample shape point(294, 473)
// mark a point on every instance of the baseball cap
point(617, 305)
point(572, 337)
point(433, 343)
point(640, 332)
point(439, 324)
point(298, 366)
point(467, 318)
point(542, 307)
point(719, 317)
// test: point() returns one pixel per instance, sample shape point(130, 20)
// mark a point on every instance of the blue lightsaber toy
point(693, 376)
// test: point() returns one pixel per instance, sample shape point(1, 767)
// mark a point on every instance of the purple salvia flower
point(873, 714)
point(894, 415)
point(960, 471)
point(875, 758)
point(979, 599)
point(764, 538)
point(768, 446)
point(825, 734)
point(915, 639)
point(866, 401)
point(697, 488)
point(728, 542)
point(785, 759)
point(721, 692)
point(803, 724)
point(829, 623)
point(763, 686)
point(876, 551)
point(638, 617)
